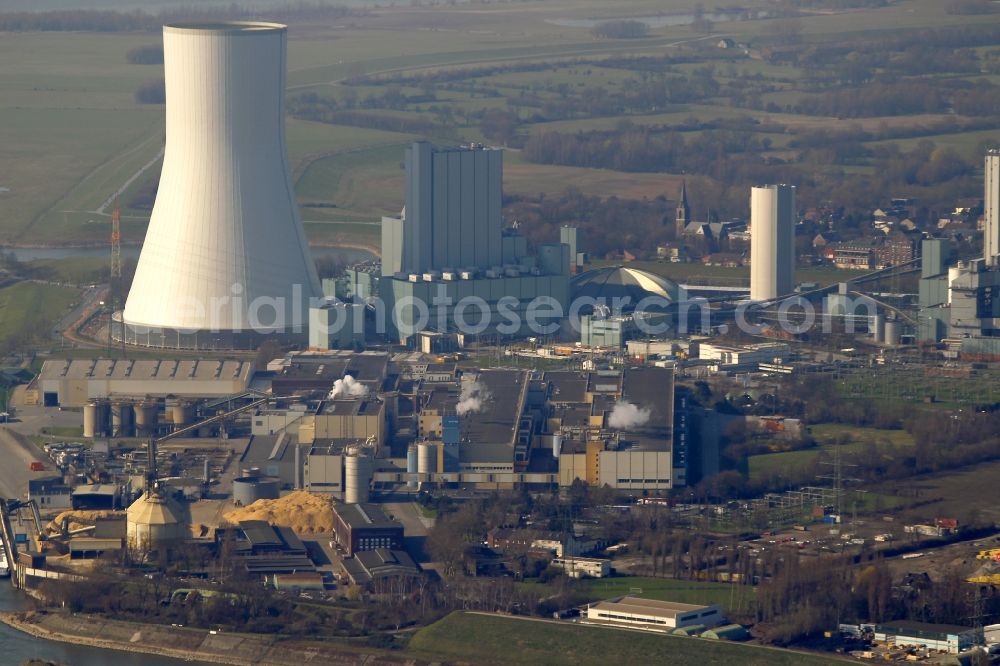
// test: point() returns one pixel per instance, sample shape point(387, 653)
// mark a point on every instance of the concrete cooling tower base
point(172, 338)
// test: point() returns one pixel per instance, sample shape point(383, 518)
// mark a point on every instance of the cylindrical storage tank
point(249, 489)
point(122, 423)
point(94, 419)
point(357, 478)
point(146, 414)
point(426, 458)
point(893, 331)
point(556, 446)
point(224, 192)
point(411, 465)
point(154, 521)
point(182, 414)
point(772, 241)
point(878, 328)
point(953, 274)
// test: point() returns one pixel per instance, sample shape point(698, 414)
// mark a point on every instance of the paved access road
point(16, 456)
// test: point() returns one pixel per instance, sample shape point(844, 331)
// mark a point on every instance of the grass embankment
point(29, 309)
point(728, 596)
point(485, 639)
point(850, 441)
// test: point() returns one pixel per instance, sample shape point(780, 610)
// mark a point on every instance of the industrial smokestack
point(225, 251)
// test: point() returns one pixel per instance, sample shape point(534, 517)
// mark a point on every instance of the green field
point(487, 639)
point(29, 309)
point(732, 597)
point(73, 133)
point(829, 437)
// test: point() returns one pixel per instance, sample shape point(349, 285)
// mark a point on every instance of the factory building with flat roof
point(74, 382)
point(652, 614)
point(360, 527)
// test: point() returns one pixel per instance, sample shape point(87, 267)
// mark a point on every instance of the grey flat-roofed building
point(369, 565)
point(308, 371)
point(452, 216)
point(280, 456)
point(653, 614)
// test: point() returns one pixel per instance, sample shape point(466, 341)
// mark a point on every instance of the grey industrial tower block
point(452, 217)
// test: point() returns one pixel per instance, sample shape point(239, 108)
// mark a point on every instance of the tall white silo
point(225, 258)
point(772, 241)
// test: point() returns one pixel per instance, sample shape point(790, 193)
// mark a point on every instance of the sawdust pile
point(304, 512)
point(79, 519)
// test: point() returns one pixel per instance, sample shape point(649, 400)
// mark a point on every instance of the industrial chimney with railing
point(225, 261)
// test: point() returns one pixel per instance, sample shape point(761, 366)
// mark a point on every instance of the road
point(17, 455)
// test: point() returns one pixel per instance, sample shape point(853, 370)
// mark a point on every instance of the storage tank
point(95, 419)
point(893, 330)
point(122, 423)
point(146, 417)
point(155, 520)
point(878, 328)
point(426, 458)
point(357, 478)
point(411, 465)
point(556, 446)
point(249, 489)
point(772, 241)
point(182, 414)
point(225, 214)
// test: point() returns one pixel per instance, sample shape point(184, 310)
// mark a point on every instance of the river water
point(17, 647)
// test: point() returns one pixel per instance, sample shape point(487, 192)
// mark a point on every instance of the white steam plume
point(625, 415)
point(472, 397)
point(348, 387)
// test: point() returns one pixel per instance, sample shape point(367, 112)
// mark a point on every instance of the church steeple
point(683, 216)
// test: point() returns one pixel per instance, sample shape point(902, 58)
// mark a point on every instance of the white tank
point(411, 465)
point(225, 249)
point(772, 241)
point(426, 458)
point(556, 446)
point(357, 478)
point(146, 416)
point(95, 419)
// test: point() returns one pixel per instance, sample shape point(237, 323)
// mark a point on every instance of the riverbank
point(194, 644)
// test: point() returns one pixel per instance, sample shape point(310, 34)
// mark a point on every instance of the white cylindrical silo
point(225, 251)
point(426, 458)
point(411, 465)
point(556, 446)
point(772, 241)
point(357, 478)
point(954, 272)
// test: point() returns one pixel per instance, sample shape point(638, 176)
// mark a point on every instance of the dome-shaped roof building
point(622, 282)
point(155, 520)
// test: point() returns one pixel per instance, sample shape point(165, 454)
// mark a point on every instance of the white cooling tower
point(772, 241)
point(225, 258)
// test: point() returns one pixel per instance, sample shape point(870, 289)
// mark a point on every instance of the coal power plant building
point(450, 251)
point(225, 261)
